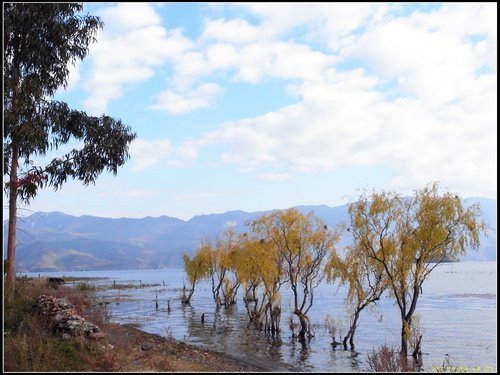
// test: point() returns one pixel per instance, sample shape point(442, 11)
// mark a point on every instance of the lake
point(458, 318)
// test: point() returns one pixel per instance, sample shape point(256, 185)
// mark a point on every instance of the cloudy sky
point(258, 106)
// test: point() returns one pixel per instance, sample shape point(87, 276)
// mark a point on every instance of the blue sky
point(258, 106)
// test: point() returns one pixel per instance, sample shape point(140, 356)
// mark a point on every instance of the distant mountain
point(488, 249)
point(54, 241)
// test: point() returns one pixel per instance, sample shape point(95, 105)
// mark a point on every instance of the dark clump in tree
point(40, 41)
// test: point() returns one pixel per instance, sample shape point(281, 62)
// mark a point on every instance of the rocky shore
point(127, 349)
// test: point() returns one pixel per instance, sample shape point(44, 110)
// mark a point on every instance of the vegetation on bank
point(30, 345)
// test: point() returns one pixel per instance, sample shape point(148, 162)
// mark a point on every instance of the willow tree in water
point(247, 267)
point(222, 266)
point(41, 40)
point(197, 268)
point(259, 267)
point(365, 279)
point(410, 237)
point(301, 243)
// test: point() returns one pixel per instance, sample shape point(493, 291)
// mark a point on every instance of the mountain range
point(54, 241)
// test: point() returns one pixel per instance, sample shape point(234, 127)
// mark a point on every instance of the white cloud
point(187, 101)
point(222, 55)
point(282, 60)
point(125, 16)
point(322, 21)
point(442, 129)
point(345, 122)
point(146, 154)
point(429, 54)
point(252, 62)
point(442, 61)
point(185, 154)
point(237, 30)
point(131, 45)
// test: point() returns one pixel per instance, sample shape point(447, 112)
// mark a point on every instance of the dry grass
point(131, 286)
point(387, 359)
point(28, 341)
point(29, 346)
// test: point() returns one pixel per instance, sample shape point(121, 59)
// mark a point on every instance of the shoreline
point(139, 351)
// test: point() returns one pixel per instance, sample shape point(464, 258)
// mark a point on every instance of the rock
point(147, 346)
point(62, 316)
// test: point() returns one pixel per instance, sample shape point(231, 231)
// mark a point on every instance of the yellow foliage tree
point(409, 237)
point(196, 268)
point(225, 279)
point(249, 271)
point(365, 279)
point(300, 244)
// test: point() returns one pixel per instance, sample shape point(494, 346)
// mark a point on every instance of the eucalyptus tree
point(41, 40)
point(410, 237)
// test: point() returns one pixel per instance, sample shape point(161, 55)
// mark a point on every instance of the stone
point(63, 317)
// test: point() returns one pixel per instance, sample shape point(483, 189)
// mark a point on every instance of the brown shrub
point(387, 359)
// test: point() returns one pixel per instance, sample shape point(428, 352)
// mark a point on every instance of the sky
point(259, 106)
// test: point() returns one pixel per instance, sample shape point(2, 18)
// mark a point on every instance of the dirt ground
point(125, 348)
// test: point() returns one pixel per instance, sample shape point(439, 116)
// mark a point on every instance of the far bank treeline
point(396, 243)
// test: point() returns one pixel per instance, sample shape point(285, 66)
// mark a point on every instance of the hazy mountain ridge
point(55, 241)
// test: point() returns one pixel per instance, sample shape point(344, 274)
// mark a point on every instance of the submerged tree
point(40, 41)
point(197, 268)
point(365, 279)
point(222, 269)
point(409, 237)
point(265, 260)
point(249, 273)
point(301, 243)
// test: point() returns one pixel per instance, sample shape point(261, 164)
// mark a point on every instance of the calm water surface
point(458, 310)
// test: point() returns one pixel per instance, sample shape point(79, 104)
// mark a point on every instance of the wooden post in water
point(156, 301)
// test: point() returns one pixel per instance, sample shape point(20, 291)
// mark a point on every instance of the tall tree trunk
point(11, 237)
point(10, 282)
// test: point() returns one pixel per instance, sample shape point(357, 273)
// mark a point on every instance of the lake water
point(458, 315)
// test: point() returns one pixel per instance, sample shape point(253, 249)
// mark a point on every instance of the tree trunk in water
point(11, 237)
point(404, 338)
point(304, 325)
point(417, 352)
point(352, 331)
point(187, 299)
